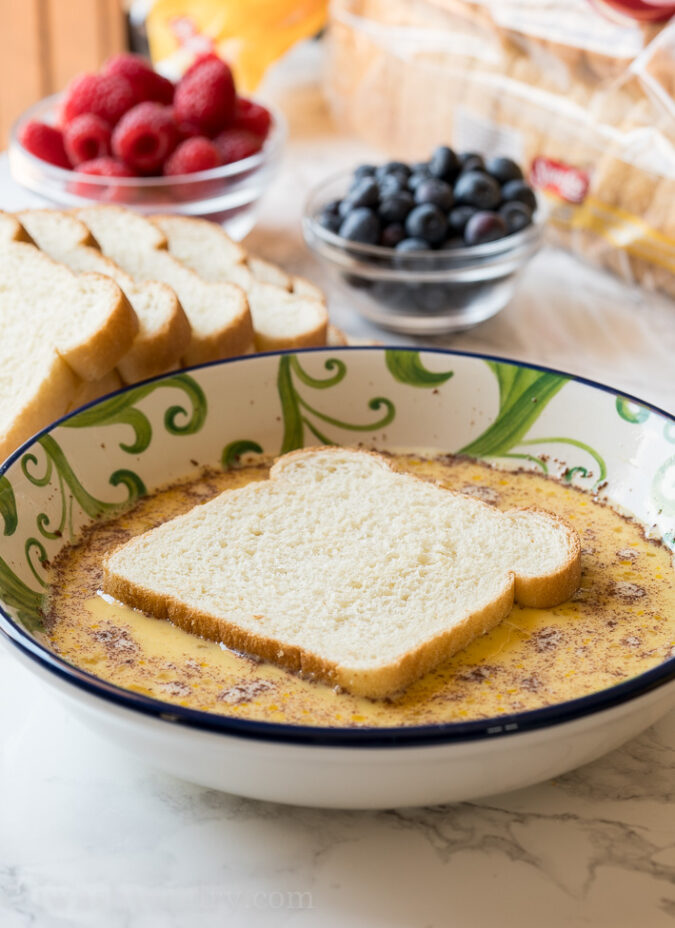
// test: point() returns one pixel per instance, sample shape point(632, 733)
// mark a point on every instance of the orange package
point(249, 34)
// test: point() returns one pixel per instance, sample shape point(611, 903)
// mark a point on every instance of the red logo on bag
point(562, 179)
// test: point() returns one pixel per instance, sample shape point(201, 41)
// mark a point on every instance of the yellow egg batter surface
point(619, 623)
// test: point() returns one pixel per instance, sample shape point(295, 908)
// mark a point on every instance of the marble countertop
point(92, 837)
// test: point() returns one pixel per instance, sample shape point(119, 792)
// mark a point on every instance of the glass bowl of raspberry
point(428, 248)
point(128, 136)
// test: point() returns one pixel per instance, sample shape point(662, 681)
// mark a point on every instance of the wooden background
point(43, 43)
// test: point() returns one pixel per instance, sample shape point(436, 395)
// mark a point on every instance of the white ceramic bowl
point(107, 454)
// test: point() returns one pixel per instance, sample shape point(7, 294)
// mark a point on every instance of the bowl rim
point(439, 734)
point(272, 145)
point(454, 256)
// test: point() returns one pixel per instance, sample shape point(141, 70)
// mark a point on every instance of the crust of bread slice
point(77, 330)
point(11, 230)
point(281, 317)
point(44, 392)
point(93, 332)
point(218, 313)
point(358, 602)
point(88, 391)
point(164, 331)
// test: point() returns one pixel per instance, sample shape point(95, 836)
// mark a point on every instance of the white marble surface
point(92, 837)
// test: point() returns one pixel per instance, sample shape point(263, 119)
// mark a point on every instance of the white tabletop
point(90, 836)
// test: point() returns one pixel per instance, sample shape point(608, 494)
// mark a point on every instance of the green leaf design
point(8, 506)
point(27, 603)
point(36, 544)
point(290, 408)
point(569, 474)
point(331, 364)
point(235, 449)
point(56, 460)
point(407, 368)
point(523, 395)
point(631, 411)
point(121, 409)
point(296, 411)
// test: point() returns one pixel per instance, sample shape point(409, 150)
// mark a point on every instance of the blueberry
point(397, 168)
point(475, 188)
point(361, 225)
point(427, 222)
point(519, 190)
point(417, 177)
point(459, 216)
point(364, 170)
point(484, 226)
point(420, 167)
point(396, 207)
point(391, 184)
point(392, 234)
point(516, 215)
point(444, 163)
point(329, 220)
point(412, 244)
point(435, 191)
point(364, 193)
point(503, 169)
point(471, 161)
point(455, 242)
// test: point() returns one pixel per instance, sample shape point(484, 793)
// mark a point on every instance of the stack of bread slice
point(114, 298)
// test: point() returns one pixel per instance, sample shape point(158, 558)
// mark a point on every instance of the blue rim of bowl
point(272, 144)
point(498, 248)
point(444, 733)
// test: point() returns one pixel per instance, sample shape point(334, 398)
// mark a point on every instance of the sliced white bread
point(281, 318)
point(11, 230)
point(88, 391)
point(342, 569)
point(218, 312)
point(58, 330)
point(164, 332)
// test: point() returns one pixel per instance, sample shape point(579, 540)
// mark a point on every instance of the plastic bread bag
point(585, 104)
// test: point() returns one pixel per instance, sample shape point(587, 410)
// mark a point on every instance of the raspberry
point(146, 83)
point(105, 167)
point(252, 116)
point(145, 137)
point(86, 137)
point(44, 142)
point(205, 96)
point(195, 154)
point(235, 144)
point(106, 95)
point(200, 60)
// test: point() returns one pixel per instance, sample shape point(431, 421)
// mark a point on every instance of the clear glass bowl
point(228, 195)
point(427, 292)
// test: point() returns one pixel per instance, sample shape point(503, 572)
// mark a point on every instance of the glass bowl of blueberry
point(431, 247)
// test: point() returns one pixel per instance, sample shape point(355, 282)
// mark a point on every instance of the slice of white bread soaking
point(343, 569)
point(58, 331)
point(281, 318)
point(218, 312)
point(164, 331)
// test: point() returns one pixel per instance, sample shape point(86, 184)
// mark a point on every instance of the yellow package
point(249, 34)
